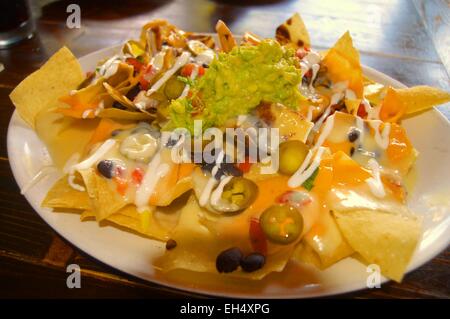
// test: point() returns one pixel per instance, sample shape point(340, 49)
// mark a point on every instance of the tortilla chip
point(105, 201)
point(105, 128)
point(304, 253)
point(226, 39)
point(293, 32)
point(381, 238)
point(63, 136)
point(41, 90)
point(198, 246)
point(327, 242)
point(291, 124)
point(374, 92)
point(129, 218)
point(400, 102)
point(84, 102)
point(62, 195)
point(173, 185)
point(113, 113)
point(342, 62)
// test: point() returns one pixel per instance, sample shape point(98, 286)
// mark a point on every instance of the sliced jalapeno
point(292, 155)
point(282, 224)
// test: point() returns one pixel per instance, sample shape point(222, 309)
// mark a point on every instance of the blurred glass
point(16, 22)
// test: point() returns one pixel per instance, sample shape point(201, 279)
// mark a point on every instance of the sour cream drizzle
point(206, 193)
point(88, 162)
point(96, 156)
point(307, 63)
point(155, 171)
point(374, 182)
point(300, 176)
point(187, 87)
point(382, 138)
point(216, 195)
point(360, 127)
point(181, 60)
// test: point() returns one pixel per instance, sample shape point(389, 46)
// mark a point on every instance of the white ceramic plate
point(429, 132)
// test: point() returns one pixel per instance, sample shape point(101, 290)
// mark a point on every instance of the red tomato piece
point(257, 237)
point(135, 63)
point(137, 176)
point(187, 70)
point(245, 167)
point(362, 111)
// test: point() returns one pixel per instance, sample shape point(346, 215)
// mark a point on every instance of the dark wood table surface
point(391, 35)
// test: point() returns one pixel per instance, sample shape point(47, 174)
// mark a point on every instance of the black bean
point(116, 132)
point(133, 92)
point(106, 168)
point(119, 106)
point(353, 135)
point(205, 65)
point(230, 169)
point(228, 260)
point(171, 244)
point(253, 262)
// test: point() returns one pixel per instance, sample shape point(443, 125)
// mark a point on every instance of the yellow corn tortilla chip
point(64, 136)
point(62, 195)
point(118, 114)
point(41, 90)
point(129, 218)
point(304, 253)
point(342, 62)
point(400, 102)
point(198, 246)
point(293, 32)
point(381, 238)
point(89, 98)
point(105, 201)
point(327, 242)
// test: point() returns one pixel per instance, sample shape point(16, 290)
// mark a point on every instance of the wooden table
point(390, 35)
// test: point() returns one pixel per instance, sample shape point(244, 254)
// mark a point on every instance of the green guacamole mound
point(236, 82)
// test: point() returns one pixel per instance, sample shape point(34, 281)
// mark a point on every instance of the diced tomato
point(300, 53)
point(122, 186)
point(135, 63)
point(137, 176)
point(201, 70)
point(143, 80)
point(257, 237)
point(245, 167)
point(308, 74)
point(189, 68)
point(362, 111)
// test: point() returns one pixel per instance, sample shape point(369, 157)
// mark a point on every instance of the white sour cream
point(181, 61)
point(301, 176)
point(155, 171)
point(382, 138)
point(374, 182)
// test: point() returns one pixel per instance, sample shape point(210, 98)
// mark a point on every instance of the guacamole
point(236, 82)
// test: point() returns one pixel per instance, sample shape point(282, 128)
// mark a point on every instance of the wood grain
point(33, 258)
